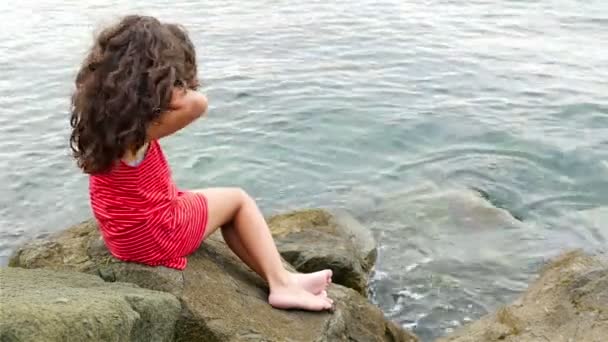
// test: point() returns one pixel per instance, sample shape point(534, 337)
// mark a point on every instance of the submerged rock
point(465, 208)
point(221, 299)
point(312, 240)
point(42, 305)
point(568, 302)
point(594, 220)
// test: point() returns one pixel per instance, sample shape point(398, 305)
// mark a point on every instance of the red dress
point(142, 215)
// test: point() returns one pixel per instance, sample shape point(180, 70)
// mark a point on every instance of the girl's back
point(134, 203)
point(133, 192)
point(142, 215)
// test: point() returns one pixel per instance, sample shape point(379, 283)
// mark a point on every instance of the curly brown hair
point(124, 84)
point(189, 54)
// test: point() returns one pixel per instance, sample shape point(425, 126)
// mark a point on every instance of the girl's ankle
point(281, 279)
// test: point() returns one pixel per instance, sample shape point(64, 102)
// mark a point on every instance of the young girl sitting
point(136, 86)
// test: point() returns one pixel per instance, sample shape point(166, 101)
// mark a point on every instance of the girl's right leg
point(247, 234)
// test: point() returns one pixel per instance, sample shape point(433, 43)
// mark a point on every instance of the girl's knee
point(242, 195)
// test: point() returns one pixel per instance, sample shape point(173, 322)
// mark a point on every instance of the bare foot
point(324, 295)
point(295, 297)
point(315, 282)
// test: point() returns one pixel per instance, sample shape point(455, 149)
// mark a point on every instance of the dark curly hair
point(124, 84)
point(189, 54)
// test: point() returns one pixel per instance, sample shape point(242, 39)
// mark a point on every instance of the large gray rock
point(312, 240)
point(568, 302)
point(80, 248)
point(221, 299)
point(42, 305)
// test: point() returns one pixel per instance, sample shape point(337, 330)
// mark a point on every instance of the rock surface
point(221, 299)
point(568, 302)
point(312, 240)
point(41, 305)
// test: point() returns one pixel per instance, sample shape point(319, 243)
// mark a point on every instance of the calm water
point(390, 109)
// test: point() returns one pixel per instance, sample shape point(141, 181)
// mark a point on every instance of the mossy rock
point(44, 305)
point(221, 300)
point(568, 302)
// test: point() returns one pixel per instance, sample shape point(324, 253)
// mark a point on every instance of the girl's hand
point(185, 107)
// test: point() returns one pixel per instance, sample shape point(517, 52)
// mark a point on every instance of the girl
point(136, 86)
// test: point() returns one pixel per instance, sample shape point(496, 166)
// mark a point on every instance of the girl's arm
point(186, 106)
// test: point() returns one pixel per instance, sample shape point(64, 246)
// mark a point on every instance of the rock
point(42, 305)
point(568, 302)
point(455, 206)
point(221, 299)
point(67, 250)
point(81, 248)
point(312, 240)
point(439, 223)
point(442, 255)
point(593, 221)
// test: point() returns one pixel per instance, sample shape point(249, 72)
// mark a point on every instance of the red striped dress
point(142, 215)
